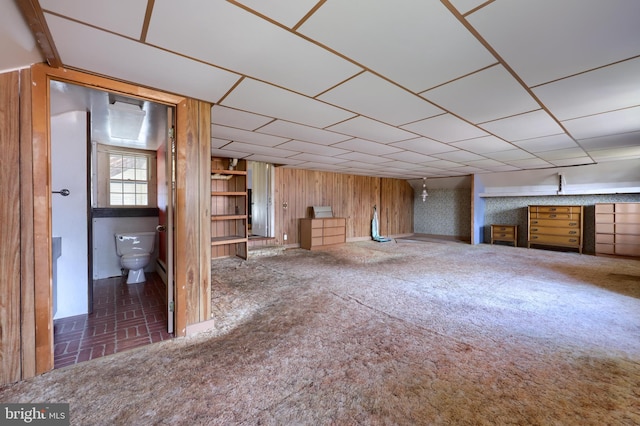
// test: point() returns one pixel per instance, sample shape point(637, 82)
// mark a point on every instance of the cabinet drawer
point(555, 223)
point(628, 249)
point(316, 223)
point(605, 228)
point(552, 215)
point(604, 208)
point(333, 231)
point(503, 235)
point(316, 232)
point(537, 230)
point(627, 239)
point(628, 228)
point(604, 239)
point(604, 218)
point(605, 248)
point(334, 239)
point(316, 241)
point(628, 208)
point(555, 240)
point(557, 209)
point(338, 221)
point(628, 218)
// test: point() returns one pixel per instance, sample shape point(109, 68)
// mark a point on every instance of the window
point(128, 179)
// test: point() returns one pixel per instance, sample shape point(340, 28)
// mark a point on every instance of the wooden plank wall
point(350, 196)
point(10, 365)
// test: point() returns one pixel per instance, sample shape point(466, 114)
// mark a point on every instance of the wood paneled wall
point(10, 363)
point(350, 196)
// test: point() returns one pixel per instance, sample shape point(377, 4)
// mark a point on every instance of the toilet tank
point(135, 242)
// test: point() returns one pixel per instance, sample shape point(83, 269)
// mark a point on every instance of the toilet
point(134, 249)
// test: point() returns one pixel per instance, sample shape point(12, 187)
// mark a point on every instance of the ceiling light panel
point(410, 49)
point(286, 12)
point(303, 133)
point(376, 98)
point(233, 38)
point(602, 90)
point(236, 118)
point(483, 96)
point(103, 14)
point(445, 128)
point(424, 146)
point(543, 40)
point(484, 145)
point(524, 126)
point(366, 128)
point(368, 147)
point(261, 98)
point(135, 62)
point(622, 121)
point(223, 132)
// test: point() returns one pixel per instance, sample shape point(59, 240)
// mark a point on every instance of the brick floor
point(125, 316)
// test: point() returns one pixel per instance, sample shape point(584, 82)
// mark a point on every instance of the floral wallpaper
point(445, 212)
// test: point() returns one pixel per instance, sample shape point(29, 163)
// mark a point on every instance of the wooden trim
point(124, 212)
point(204, 184)
point(41, 75)
point(28, 326)
point(34, 17)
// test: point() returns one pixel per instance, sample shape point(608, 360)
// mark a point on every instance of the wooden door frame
point(42, 75)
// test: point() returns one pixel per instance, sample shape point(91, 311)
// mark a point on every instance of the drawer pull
point(573, 223)
point(573, 232)
point(552, 209)
point(553, 215)
point(534, 222)
point(502, 235)
point(503, 229)
point(573, 240)
point(534, 237)
point(534, 230)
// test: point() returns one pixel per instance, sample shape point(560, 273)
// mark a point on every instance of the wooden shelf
point(229, 217)
point(229, 239)
point(228, 193)
point(229, 172)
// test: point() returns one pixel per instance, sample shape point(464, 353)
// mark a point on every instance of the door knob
point(63, 192)
point(161, 228)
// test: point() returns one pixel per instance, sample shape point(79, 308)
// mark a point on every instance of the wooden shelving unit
point(229, 209)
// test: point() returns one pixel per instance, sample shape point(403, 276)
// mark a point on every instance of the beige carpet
point(406, 333)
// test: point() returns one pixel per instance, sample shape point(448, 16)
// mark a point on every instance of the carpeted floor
point(398, 333)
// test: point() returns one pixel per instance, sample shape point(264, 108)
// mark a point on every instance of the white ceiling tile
point(459, 156)
point(258, 149)
point(262, 98)
point(272, 159)
point(547, 143)
point(410, 157)
point(359, 165)
point(103, 14)
point(593, 126)
point(365, 158)
point(445, 128)
point(486, 95)
point(403, 165)
point(514, 154)
point(320, 166)
point(368, 147)
point(486, 163)
point(505, 168)
point(227, 153)
point(602, 90)
point(303, 133)
point(611, 141)
point(524, 126)
point(236, 118)
point(287, 12)
point(530, 163)
point(219, 143)
point(578, 161)
point(230, 37)
point(366, 128)
point(616, 154)
point(376, 98)
point(424, 146)
point(562, 154)
point(104, 53)
point(484, 145)
point(17, 43)
point(400, 39)
point(544, 40)
point(444, 164)
point(465, 6)
point(312, 148)
point(315, 158)
point(239, 135)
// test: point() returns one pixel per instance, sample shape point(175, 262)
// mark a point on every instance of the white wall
point(106, 262)
point(69, 214)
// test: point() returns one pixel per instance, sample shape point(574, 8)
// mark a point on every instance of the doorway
point(261, 189)
point(98, 324)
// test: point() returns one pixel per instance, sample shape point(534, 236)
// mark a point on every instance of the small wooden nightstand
point(508, 233)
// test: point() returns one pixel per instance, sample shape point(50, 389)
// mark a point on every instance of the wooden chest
point(556, 226)
point(507, 233)
point(319, 233)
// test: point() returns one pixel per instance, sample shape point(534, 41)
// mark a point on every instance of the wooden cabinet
point(229, 217)
point(618, 229)
point(556, 226)
point(321, 233)
point(507, 233)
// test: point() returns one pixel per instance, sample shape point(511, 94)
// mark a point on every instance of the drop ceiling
point(391, 88)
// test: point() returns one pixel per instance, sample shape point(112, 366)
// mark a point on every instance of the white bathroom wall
point(69, 214)
point(106, 262)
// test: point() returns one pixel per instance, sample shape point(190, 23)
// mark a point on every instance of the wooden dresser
point(556, 226)
point(321, 233)
point(507, 233)
point(618, 229)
